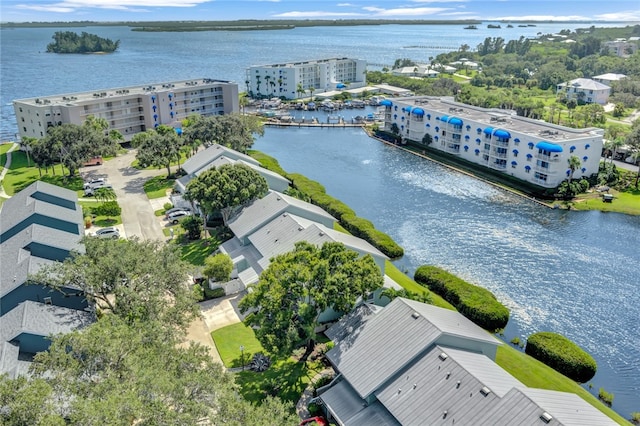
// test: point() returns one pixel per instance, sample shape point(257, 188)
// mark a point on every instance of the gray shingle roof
point(25, 252)
point(206, 156)
point(269, 207)
point(585, 84)
point(41, 320)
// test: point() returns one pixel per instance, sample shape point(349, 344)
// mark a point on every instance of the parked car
point(109, 232)
point(94, 181)
point(90, 190)
point(176, 209)
point(315, 421)
point(176, 216)
point(95, 161)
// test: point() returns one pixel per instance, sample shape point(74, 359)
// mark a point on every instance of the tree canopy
point(70, 42)
point(158, 148)
point(116, 373)
point(298, 286)
point(73, 145)
point(235, 131)
point(226, 187)
point(135, 280)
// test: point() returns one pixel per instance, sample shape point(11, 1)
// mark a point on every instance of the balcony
point(549, 158)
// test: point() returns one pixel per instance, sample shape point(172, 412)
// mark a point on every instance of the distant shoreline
point(259, 25)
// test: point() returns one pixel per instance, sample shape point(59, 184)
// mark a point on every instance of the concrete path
point(6, 166)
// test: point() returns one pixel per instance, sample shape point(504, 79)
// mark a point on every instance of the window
point(541, 176)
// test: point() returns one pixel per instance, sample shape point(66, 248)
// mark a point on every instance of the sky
point(177, 10)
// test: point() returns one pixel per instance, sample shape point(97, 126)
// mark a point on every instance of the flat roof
point(498, 118)
point(78, 98)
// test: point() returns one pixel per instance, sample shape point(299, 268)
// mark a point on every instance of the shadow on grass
point(286, 379)
point(103, 222)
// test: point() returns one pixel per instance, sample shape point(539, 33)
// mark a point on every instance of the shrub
point(167, 206)
point(108, 209)
point(88, 221)
point(314, 409)
point(635, 417)
point(605, 397)
point(474, 302)
point(562, 355)
point(218, 267)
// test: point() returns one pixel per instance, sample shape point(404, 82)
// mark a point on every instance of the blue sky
point(165, 10)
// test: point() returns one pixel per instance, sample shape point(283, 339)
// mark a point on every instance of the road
point(138, 217)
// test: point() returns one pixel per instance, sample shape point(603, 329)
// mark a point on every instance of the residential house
point(421, 71)
point(217, 155)
point(416, 364)
point(609, 78)
point(585, 90)
point(621, 47)
point(40, 225)
point(499, 140)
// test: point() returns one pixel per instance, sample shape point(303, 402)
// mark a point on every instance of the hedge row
point(562, 355)
point(476, 303)
point(357, 226)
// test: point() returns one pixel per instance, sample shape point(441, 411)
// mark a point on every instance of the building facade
point(530, 150)
point(585, 90)
point(129, 110)
point(296, 79)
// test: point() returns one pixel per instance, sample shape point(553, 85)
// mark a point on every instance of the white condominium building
point(129, 110)
point(527, 149)
point(296, 79)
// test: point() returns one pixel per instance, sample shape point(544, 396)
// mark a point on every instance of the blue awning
point(587, 146)
point(478, 140)
point(418, 111)
point(455, 121)
point(488, 130)
point(548, 146)
point(529, 156)
point(530, 144)
point(572, 148)
point(428, 125)
point(516, 140)
point(514, 163)
point(386, 103)
point(477, 151)
point(340, 86)
point(407, 109)
point(585, 158)
point(466, 137)
point(515, 152)
point(178, 130)
point(502, 134)
point(466, 147)
point(527, 167)
point(444, 118)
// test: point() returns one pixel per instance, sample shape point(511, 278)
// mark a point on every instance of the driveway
point(138, 217)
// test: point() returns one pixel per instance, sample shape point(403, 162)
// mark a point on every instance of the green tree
point(633, 140)
point(235, 131)
point(104, 194)
point(299, 90)
point(116, 373)
point(158, 148)
point(574, 164)
point(225, 188)
point(74, 145)
point(298, 286)
point(193, 225)
point(218, 267)
point(311, 90)
point(135, 280)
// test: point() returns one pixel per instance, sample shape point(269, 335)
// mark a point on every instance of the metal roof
point(262, 211)
point(202, 158)
point(352, 322)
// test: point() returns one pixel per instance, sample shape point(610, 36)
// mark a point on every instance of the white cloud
point(406, 11)
point(620, 16)
point(438, 1)
point(541, 18)
point(130, 5)
point(345, 4)
point(464, 14)
point(314, 14)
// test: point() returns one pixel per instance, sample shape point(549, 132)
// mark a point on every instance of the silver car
point(109, 232)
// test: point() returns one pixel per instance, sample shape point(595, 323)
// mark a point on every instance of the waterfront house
point(217, 155)
point(504, 143)
point(40, 225)
point(585, 90)
point(131, 109)
point(609, 78)
point(416, 364)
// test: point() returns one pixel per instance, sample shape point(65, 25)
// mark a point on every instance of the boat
point(471, 27)
point(509, 26)
point(311, 106)
point(493, 26)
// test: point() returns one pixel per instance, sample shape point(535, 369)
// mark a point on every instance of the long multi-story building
point(129, 110)
point(296, 79)
point(531, 150)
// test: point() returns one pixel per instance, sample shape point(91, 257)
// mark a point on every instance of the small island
point(70, 42)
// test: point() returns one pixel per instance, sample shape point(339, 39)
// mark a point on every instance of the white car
point(95, 181)
point(176, 209)
point(177, 215)
point(90, 190)
point(109, 232)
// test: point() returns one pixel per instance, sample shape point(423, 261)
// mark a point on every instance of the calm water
point(570, 272)
point(574, 273)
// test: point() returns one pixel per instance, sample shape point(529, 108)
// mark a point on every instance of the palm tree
point(311, 90)
point(104, 194)
point(574, 164)
point(299, 90)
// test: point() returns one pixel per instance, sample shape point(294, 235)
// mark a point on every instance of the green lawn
point(410, 285)
point(627, 202)
point(228, 341)
point(100, 221)
point(535, 374)
point(195, 252)
point(157, 187)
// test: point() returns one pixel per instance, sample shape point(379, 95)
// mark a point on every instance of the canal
point(574, 273)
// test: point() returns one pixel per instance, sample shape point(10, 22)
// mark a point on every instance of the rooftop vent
point(443, 356)
point(546, 417)
point(415, 315)
point(485, 391)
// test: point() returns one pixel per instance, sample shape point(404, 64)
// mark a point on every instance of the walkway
point(7, 164)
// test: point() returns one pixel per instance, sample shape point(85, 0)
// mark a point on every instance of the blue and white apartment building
point(531, 150)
